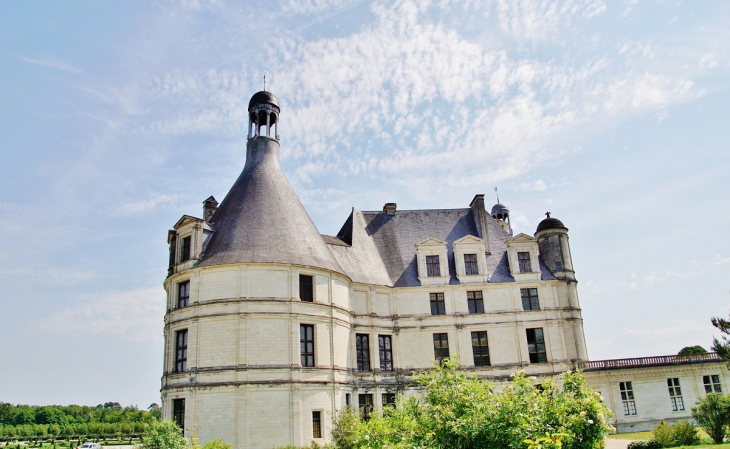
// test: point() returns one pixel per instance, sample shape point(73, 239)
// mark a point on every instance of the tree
point(692, 350)
point(155, 411)
point(712, 413)
point(722, 348)
point(458, 410)
point(164, 435)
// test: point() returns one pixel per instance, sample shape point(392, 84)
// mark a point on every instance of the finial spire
point(264, 83)
point(495, 189)
point(547, 214)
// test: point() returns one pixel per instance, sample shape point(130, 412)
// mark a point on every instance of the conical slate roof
point(261, 220)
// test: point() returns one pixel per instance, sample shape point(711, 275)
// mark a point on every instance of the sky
point(118, 117)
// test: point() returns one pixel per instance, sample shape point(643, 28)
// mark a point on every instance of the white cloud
point(52, 63)
point(539, 20)
point(720, 260)
point(137, 207)
point(133, 315)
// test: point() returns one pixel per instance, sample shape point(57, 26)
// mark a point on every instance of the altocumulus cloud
point(132, 315)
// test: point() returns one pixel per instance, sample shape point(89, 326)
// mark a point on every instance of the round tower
point(552, 240)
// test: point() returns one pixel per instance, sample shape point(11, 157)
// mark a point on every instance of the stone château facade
point(272, 327)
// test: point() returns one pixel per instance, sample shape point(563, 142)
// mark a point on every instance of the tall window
point(475, 302)
point(536, 345)
point(438, 306)
point(675, 394)
point(480, 347)
point(712, 383)
point(441, 346)
point(185, 249)
point(362, 342)
point(306, 344)
point(183, 294)
point(627, 398)
point(178, 412)
point(365, 402)
point(181, 350)
point(386, 352)
point(524, 260)
point(316, 424)
point(470, 264)
point(432, 266)
point(306, 288)
point(529, 299)
point(388, 400)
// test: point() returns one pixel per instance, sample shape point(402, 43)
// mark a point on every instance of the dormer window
point(432, 262)
point(523, 259)
point(185, 255)
point(470, 264)
point(433, 268)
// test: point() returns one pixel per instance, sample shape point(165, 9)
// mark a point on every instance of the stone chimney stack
point(389, 208)
point(209, 207)
point(479, 212)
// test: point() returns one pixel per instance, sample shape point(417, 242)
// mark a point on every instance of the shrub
point(663, 434)
point(650, 444)
point(458, 410)
point(685, 434)
point(164, 435)
point(216, 444)
point(712, 413)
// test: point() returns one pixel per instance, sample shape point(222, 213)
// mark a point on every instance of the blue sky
point(118, 117)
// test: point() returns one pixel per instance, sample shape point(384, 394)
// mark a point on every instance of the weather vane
point(547, 214)
point(264, 83)
point(495, 189)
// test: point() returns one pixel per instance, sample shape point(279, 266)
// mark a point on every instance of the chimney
point(480, 218)
point(209, 207)
point(389, 208)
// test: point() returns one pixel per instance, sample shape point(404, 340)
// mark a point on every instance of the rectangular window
point(306, 288)
point(475, 302)
point(316, 424)
point(388, 400)
point(675, 394)
point(385, 345)
point(438, 306)
point(185, 249)
point(529, 299)
point(306, 344)
point(347, 399)
point(470, 264)
point(178, 412)
point(558, 266)
point(441, 346)
point(365, 402)
point(524, 260)
point(536, 345)
point(183, 294)
point(432, 266)
point(712, 383)
point(181, 350)
point(627, 398)
point(362, 342)
point(480, 347)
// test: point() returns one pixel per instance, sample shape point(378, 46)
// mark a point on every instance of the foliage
point(164, 435)
point(458, 410)
point(691, 350)
point(109, 412)
point(685, 434)
point(663, 434)
point(721, 347)
point(649, 444)
point(216, 444)
point(712, 413)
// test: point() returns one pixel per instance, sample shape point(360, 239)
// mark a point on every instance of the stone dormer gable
point(470, 260)
point(433, 263)
point(522, 255)
point(186, 220)
point(187, 242)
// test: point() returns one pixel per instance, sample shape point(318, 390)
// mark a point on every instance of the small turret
point(552, 240)
point(501, 214)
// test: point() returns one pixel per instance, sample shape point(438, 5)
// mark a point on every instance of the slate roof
point(262, 220)
point(383, 251)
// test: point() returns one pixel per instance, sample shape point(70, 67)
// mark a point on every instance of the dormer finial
point(547, 214)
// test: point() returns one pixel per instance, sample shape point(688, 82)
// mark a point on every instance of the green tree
point(164, 435)
point(54, 430)
point(692, 350)
point(155, 411)
point(721, 347)
point(458, 410)
point(712, 413)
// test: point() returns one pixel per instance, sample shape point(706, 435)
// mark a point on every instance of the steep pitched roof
point(262, 220)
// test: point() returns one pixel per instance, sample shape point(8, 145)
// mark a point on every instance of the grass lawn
point(631, 436)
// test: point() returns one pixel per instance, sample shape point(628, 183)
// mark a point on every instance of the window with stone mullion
point(475, 301)
point(433, 267)
point(470, 264)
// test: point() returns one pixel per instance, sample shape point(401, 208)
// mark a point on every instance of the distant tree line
point(74, 422)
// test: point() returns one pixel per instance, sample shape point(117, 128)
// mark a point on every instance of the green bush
point(164, 435)
point(712, 413)
point(685, 434)
point(216, 444)
point(650, 444)
point(458, 410)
